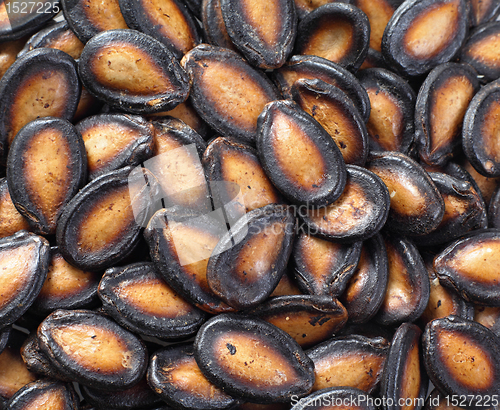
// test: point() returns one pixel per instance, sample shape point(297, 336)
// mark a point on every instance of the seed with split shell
point(133, 72)
point(407, 291)
point(425, 33)
point(102, 223)
point(11, 220)
point(46, 167)
point(359, 213)
point(309, 319)
point(238, 165)
point(180, 243)
point(366, 289)
point(286, 133)
point(417, 207)
point(481, 51)
point(226, 91)
point(175, 376)
point(462, 357)
point(332, 398)
point(66, 287)
point(469, 265)
point(480, 132)
point(176, 162)
point(58, 36)
point(252, 359)
point(337, 362)
point(43, 83)
point(338, 32)
point(139, 396)
point(140, 300)
point(114, 141)
point(440, 109)
point(93, 350)
point(263, 32)
point(324, 267)
point(336, 113)
point(317, 68)
point(404, 379)
point(24, 259)
point(45, 394)
point(214, 27)
point(464, 210)
point(391, 123)
point(169, 22)
point(88, 18)
point(249, 260)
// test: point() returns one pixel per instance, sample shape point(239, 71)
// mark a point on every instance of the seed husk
point(11, 220)
point(252, 359)
point(214, 27)
point(132, 72)
point(91, 349)
point(45, 394)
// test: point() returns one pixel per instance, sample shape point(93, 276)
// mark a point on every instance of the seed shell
point(45, 394)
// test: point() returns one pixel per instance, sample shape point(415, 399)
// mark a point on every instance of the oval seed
point(46, 167)
point(252, 359)
point(24, 259)
point(8, 53)
point(336, 113)
point(45, 395)
point(359, 213)
point(88, 18)
point(226, 91)
point(324, 267)
point(169, 22)
point(391, 123)
point(469, 265)
point(43, 83)
point(133, 72)
point(309, 319)
point(177, 379)
point(417, 207)
point(286, 133)
point(337, 362)
point(440, 109)
point(249, 260)
point(462, 357)
point(425, 33)
point(338, 32)
point(14, 374)
point(114, 141)
point(263, 32)
point(214, 27)
point(484, 11)
point(140, 300)
point(92, 349)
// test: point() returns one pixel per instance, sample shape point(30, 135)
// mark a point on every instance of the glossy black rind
point(145, 99)
point(66, 358)
point(252, 37)
point(327, 15)
point(444, 95)
point(404, 372)
point(314, 67)
point(286, 351)
point(426, 56)
point(129, 311)
point(28, 184)
point(169, 22)
point(417, 206)
point(24, 76)
point(232, 274)
point(174, 390)
point(337, 264)
point(360, 212)
point(30, 263)
point(333, 177)
point(366, 289)
point(400, 97)
point(218, 106)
